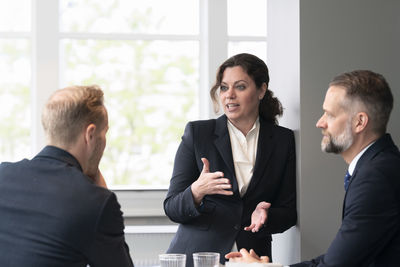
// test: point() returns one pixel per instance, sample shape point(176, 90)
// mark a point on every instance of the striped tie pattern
point(347, 178)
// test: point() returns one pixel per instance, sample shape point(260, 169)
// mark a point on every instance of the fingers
point(258, 224)
point(254, 228)
point(246, 257)
point(249, 228)
point(264, 259)
point(212, 182)
point(233, 255)
point(101, 180)
point(258, 217)
point(244, 252)
point(253, 254)
point(264, 205)
point(206, 165)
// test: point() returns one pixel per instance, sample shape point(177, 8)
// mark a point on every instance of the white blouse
point(244, 151)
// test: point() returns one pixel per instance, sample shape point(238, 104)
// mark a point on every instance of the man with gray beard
point(357, 107)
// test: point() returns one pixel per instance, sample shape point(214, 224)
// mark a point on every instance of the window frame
point(213, 43)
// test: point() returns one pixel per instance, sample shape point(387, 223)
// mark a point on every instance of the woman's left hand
point(258, 217)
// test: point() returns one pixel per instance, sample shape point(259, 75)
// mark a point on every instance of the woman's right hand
point(210, 183)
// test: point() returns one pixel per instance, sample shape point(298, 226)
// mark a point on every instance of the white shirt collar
point(353, 163)
point(237, 132)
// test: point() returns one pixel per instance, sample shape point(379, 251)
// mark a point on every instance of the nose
point(321, 123)
point(230, 93)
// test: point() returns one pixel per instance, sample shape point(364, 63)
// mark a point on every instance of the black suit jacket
point(370, 230)
point(219, 221)
point(51, 214)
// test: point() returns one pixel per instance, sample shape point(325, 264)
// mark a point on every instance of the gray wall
point(337, 36)
point(332, 37)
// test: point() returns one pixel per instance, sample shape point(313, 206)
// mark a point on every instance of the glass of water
point(206, 259)
point(172, 260)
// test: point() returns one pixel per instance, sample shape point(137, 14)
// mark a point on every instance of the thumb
point(206, 165)
point(264, 259)
point(264, 205)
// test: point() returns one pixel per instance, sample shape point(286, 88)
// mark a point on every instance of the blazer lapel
point(265, 147)
point(223, 145)
point(369, 154)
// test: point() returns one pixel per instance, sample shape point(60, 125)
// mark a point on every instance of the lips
point(231, 106)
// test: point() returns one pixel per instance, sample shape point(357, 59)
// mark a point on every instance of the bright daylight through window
point(148, 58)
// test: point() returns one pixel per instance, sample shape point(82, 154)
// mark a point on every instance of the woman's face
point(239, 96)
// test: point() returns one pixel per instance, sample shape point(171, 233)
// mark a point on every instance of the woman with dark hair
point(234, 177)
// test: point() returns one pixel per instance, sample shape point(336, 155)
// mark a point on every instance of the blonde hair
point(69, 110)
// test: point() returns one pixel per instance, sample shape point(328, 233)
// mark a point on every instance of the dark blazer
point(370, 230)
point(219, 221)
point(51, 214)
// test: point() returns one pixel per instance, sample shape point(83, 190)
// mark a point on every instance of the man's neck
point(75, 150)
point(359, 143)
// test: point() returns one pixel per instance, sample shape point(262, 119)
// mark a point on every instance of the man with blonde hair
point(55, 209)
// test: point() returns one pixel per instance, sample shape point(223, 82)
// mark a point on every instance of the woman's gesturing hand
point(210, 183)
point(259, 217)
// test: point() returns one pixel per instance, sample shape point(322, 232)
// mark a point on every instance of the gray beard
point(339, 143)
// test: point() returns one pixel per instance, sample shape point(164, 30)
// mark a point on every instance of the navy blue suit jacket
point(219, 221)
point(51, 214)
point(370, 230)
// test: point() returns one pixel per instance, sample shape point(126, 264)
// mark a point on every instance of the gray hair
point(371, 90)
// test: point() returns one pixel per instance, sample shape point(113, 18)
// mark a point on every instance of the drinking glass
point(172, 260)
point(206, 259)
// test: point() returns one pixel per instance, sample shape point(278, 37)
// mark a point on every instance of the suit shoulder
point(10, 166)
point(201, 126)
point(283, 131)
point(202, 123)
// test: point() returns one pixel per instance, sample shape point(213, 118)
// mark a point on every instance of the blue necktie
point(347, 178)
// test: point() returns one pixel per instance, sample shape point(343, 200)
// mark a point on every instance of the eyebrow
point(236, 82)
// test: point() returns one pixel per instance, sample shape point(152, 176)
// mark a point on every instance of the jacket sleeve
point(311, 263)
point(283, 212)
point(109, 247)
point(178, 204)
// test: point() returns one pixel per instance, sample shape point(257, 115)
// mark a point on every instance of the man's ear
point(90, 132)
point(361, 121)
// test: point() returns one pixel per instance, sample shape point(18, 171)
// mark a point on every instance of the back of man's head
point(371, 90)
point(68, 111)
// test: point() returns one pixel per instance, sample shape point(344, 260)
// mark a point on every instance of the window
point(146, 61)
point(247, 27)
point(155, 60)
point(15, 79)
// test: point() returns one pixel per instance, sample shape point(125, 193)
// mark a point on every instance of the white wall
point(330, 37)
point(283, 60)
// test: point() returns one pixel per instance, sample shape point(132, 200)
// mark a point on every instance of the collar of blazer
point(265, 147)
point(59, 154)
